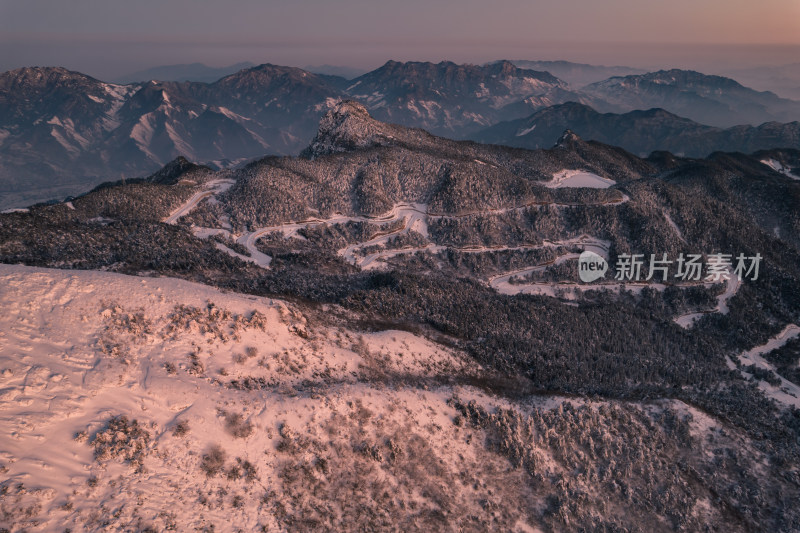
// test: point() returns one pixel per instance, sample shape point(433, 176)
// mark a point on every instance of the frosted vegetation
point(338, 342)
point(228, 412)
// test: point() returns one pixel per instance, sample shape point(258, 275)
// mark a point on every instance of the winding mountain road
point(787, 393)
point(415, 217)
point(212, 188)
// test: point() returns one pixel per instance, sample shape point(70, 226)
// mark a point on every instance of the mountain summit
point(346, 126)
point(447, 98)
point(349, 126)
point(568, 138)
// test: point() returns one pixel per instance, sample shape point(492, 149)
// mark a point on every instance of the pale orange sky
point(108, 37)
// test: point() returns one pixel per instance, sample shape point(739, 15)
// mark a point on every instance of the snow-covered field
point(155, 404)
point(579, 178)
point(197, 369)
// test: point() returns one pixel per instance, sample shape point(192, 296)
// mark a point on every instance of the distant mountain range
point(712, 100)
point(640, 132)
point(782, 79)
point(183, 72)
point(578, 74)
point(454, 100)
point(61, 131)
point(337, 70)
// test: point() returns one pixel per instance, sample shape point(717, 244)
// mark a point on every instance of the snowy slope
point(81, 347)
point(153, 404)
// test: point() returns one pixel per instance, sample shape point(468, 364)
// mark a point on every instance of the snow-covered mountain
point(712, 100)
point(450, 99)
point(181, 407)
point(640, 132)
point(62, 131)
point(389, 333)
point(194, 400)
point(50, 120)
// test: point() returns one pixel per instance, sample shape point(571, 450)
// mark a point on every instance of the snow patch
point(142, 132)
point(777, 166)
point(579, 178)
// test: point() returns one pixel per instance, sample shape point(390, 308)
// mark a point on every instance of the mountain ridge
point(709, 99)
point(640, 131)
point(61, 130)
point(183, 72)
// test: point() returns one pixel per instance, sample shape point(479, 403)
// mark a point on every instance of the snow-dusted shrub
point(109, 346)
point(196, 366)
point(213, 461)
point(242, 469)
point(135, 324)
point(237, 426)
point(121, 438)
point(181, 428)
point(210, 321)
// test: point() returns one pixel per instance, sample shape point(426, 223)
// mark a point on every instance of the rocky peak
point(568, 139)
point(506, 68)
point(347, 126)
